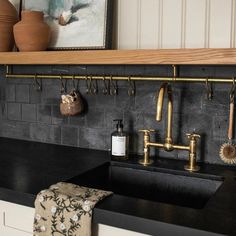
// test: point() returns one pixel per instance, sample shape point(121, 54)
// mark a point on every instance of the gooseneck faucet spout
point(169, 145)
point(166, 88)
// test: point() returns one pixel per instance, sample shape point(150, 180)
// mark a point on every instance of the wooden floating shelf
point(123, 57)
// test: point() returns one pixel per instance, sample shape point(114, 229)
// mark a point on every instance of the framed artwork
point(76, 24)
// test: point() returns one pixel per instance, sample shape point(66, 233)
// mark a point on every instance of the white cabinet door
point(105, 230)
point(16, 220)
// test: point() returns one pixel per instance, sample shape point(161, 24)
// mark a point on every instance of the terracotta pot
point(8, 17)
point(32, 33)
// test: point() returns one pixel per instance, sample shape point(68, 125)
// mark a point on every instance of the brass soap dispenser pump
point(119, 142)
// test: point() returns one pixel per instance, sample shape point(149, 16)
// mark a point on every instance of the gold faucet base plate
point(145, 163)
point(192, 169)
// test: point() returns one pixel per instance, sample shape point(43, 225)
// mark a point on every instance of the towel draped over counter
point(66, 209)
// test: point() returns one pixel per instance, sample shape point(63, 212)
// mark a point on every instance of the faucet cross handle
point(193, 136)
point(147, 131)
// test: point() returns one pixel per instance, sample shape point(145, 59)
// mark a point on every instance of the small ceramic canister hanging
point(71, 104)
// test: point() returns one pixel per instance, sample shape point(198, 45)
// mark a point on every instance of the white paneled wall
point(171, 23)
point(151, 24)
point(220, 23)
point(128, 14)
point(195, 24)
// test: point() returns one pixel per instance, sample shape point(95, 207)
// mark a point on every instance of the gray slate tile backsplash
point(22, 93)
point(14, 111)
point(32, 115)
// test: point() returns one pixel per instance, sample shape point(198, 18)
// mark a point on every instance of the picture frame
point(76, 24)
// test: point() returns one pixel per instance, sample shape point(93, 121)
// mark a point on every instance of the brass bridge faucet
point(168, 145)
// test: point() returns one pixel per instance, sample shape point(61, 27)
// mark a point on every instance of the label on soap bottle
point(118, 146)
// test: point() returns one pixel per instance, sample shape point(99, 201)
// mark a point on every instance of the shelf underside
point(122, 57)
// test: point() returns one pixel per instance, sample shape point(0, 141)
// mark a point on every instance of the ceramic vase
point(32, 33)
point(8, 17)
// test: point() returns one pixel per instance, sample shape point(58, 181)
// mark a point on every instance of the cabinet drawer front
point(105, 230)
point(13, 232)
point(17, 217)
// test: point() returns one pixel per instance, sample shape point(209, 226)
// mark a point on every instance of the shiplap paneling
point(149, 24)
point(220, 24)
point(195, 23)
point(207, 23)
point(233, 24)
point(171, 24)
point(128, 24)
point(152, 24)
point(183, 22)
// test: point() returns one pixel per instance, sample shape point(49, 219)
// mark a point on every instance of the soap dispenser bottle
point(119, 142)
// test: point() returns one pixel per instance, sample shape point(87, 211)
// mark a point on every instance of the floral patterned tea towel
point(66, 209)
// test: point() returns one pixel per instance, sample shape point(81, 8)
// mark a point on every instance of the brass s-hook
point(73, 83)
point(94, 85)
point(37, 85)
point(113, 87)
point(88, 85)
point(209, 90)
point(106, 86)
point(63, 86)
point(131, 88)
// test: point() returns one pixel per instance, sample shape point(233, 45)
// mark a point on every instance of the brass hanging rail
point(174, 78)
point(135, 78)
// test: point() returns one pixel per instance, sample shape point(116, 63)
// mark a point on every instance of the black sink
point(170, 187)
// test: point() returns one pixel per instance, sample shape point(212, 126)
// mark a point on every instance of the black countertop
point(28, 167)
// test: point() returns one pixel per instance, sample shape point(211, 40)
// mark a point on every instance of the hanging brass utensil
point(228, 149)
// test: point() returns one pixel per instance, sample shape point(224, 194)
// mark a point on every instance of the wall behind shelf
point(175, 24)
point(31, 115)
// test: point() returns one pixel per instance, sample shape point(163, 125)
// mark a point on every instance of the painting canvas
point(75, 24)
